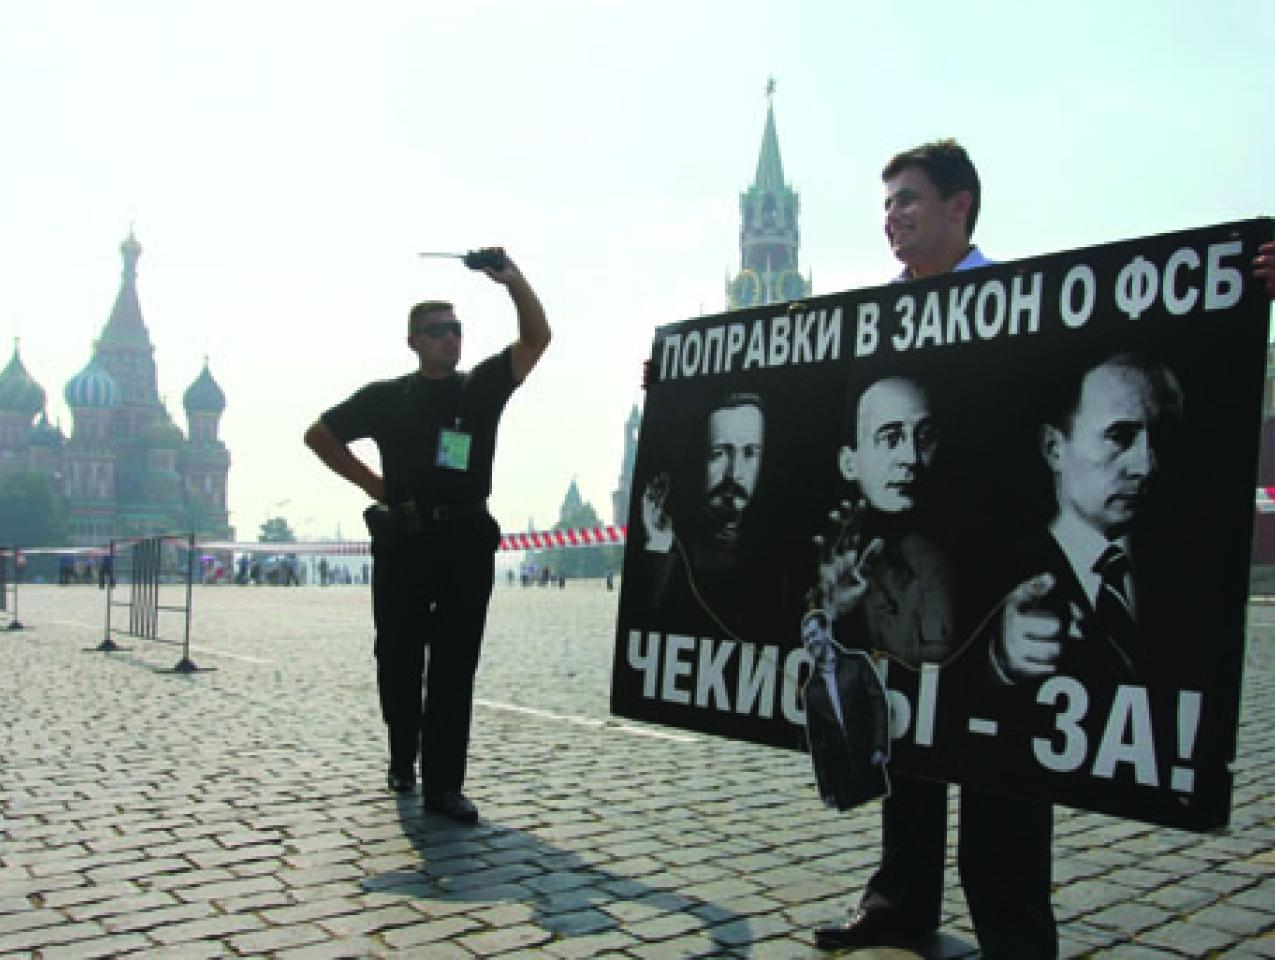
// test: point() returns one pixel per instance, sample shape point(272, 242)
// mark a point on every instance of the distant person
point(433, 540)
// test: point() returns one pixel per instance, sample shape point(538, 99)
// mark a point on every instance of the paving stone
point(595, 842)
point(111, 946)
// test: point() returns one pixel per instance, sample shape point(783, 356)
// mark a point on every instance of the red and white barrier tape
point(600, 536)
point(556, 539)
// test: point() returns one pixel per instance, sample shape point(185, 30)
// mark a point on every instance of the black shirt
point(413, 419)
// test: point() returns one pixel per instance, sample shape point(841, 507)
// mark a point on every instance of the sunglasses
point(436, 331)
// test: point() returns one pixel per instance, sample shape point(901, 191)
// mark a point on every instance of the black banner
point(1026, 490)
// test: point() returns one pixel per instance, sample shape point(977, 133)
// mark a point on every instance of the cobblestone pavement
point(241, 811)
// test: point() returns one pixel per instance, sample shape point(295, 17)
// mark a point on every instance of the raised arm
point(338, 458)
point(533, 326)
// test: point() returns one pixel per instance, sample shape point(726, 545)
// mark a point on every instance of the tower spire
point(768, 234)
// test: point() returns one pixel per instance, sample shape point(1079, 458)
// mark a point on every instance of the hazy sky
point(283, 162)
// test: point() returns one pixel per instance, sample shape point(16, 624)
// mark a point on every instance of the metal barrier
point(10, 574)
point(145, 573)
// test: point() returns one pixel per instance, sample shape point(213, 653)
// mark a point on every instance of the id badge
point(453, 449)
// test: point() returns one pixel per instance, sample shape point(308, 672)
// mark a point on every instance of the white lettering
point(989, 325)
point(958, 321)
point(1178, 305)
point(1128, 738)
point(714, 347)
point(757, 681)
point(736, 334)
point(756, 356)
point(905, 307)
point(802, 349)
point(710, 681)
point(692, 352)
point(829, 335)
point(795, 664)
point(1222, 285)
point(1136, 286)
point(1070, 753)
point(1075, 316)
point(1025, 302)
point(931, 326)
point(645, 657)
point(675, 666)
point(668, 362)
point(780, 345)
point(867, 334)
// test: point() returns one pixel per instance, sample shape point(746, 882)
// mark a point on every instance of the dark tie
point(1112, 606)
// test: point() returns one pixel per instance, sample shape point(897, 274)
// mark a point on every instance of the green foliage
point(276, 530)
point(31, 513)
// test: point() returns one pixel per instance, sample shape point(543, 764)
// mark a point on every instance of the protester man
point(932, 196)
point(433, 540)
point(1084, 602)
point(697, 549)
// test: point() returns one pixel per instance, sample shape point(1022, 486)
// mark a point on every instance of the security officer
point(433, 540)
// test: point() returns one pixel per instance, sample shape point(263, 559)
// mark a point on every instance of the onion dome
point(92, 387)
point(204, 396)
point(44, 434)
point(18, 392)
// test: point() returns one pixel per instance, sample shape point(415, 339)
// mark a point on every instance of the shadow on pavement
point(490, 863)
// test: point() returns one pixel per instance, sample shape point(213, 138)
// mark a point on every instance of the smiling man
point(932, 195)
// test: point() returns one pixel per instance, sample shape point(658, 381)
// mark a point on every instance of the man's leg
point(400, 664)
point(913, 851)
point(1006, 864)
point(399, 669)
point(902, 902)
point(449, 684)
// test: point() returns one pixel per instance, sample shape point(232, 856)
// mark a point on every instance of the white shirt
point(971, 260)
point(1083, 545)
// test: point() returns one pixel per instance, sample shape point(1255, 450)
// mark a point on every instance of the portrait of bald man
point(886, 583)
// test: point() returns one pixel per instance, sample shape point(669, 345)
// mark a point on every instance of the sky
point(283, 162)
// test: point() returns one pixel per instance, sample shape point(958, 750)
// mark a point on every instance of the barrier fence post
point(14, 622)
point(186, 665)
point(108, 644)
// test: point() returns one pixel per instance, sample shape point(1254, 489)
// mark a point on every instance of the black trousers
point(1004, 856)
point(430, 591)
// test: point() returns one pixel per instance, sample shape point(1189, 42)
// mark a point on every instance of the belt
point(416, 515)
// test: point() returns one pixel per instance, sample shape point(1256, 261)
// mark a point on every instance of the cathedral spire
point(124, 348)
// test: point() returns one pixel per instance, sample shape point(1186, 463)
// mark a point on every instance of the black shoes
point(878, 927)
point(453, 805)
point(400, 782)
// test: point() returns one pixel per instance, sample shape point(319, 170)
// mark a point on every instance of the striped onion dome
point(92, 387)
